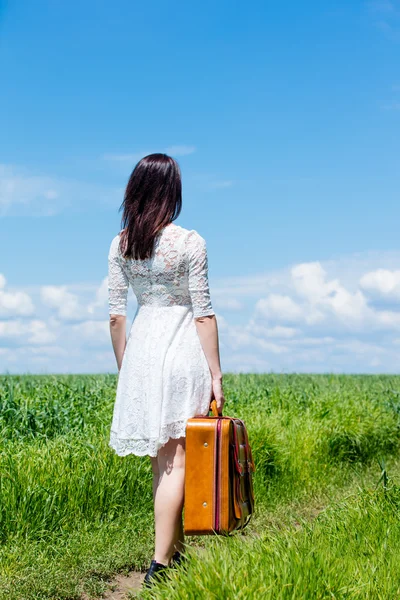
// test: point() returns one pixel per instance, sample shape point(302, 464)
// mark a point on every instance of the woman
point(169, 367)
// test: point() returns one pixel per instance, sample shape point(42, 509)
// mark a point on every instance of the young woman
point(169, 367)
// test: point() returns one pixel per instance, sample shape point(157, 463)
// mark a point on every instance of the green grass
point(72, 514)
point(351, 550)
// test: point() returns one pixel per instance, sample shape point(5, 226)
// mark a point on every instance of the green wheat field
point(327, 485)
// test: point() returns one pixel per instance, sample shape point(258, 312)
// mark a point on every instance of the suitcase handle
point(214, 409)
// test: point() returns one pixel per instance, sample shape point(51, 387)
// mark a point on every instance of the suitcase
point(219, 495)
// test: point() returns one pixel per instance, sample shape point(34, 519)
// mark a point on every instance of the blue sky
point(285, 120)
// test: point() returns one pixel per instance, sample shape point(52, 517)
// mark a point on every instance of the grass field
point(327, 485)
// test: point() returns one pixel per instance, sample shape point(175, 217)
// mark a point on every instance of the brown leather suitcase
point(219, 495)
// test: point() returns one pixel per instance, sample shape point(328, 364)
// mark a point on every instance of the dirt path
point(122, 585)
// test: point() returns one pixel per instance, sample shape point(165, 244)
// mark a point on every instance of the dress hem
point(147, 447)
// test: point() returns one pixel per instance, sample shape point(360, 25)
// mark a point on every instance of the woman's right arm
point(207, 330)
point(203, 313)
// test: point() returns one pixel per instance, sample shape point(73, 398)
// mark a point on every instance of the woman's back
point(176, 274)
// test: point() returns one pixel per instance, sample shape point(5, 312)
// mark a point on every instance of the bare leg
point(179, 545)
point(168, 501)
point(156, 474)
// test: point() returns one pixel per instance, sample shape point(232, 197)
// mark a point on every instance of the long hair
point(153, 198)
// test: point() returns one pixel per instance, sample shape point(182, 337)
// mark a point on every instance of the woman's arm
point(118, 337)
point(207, 330)
point(203, 312)
point(118, 285)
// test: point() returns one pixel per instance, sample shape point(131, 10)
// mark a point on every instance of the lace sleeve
point(118, 283)
point(198, 276)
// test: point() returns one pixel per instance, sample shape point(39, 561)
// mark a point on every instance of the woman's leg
point(180, 542)
point(156, 474)
point(168, 500)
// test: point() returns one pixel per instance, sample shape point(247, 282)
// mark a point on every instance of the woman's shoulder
point(195, 243)
point(115, 242)
point(192, 234)
point(119, 235)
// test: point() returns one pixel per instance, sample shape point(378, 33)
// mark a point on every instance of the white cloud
point(92, 332)
point(335, 326)
point(25, 193)
point(279, 308)
point(387, 319)
point(227, 303)
point(310, 282)
point(304, 340)
point(65, 303)
point(277, 331)
point(236, 337)
point(250, 285)
point(18, 188)
point(101, 299)
point(48, 351)
point(360, 348)
point(328, 296)
point(14, 303)
point(314, 317)
point(26, 332)
point(79, 305)
point(382, 282)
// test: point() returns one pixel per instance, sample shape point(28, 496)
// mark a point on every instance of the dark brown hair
point(153, 199)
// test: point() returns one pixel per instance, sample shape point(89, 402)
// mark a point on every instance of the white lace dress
point(164, 378)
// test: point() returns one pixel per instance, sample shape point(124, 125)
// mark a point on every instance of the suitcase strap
point(249, 468)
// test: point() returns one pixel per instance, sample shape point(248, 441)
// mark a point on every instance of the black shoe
point(177, 559)
point(154, 573)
